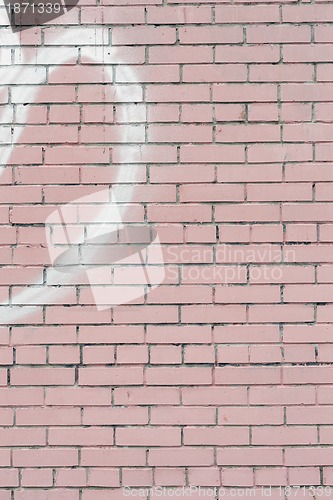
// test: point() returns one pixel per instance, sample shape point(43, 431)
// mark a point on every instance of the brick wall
point(213, 121)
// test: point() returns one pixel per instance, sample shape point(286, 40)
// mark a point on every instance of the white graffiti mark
point(26, 72)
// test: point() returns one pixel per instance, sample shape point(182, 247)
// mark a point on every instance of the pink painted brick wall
point(219, 116)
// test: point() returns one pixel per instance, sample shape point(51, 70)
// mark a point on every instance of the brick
point(281, 313)
point(280, 152)
point(104, 494)
point(137, 477)
point(47, 416)
point(140, 436)
point(247, 212)
point(245, 294)
point(133, 55)
point(185, 416)
point(156, 73)
point(281, 395)
point(325, 353)
point(215, 436)
point(232, 112)
point(315, 132)
point(212, 154)
point(308, 456)
point(179, 133)
point(199, 354)
point(119, 15)
point(110, 376)
point(144, 154)
point(323, 192)
point(42, 376)
point(232, 354)
point(307, 13)
point(213, 314)
point(213, 396)
point(80, 396)
point(98, 355)
point(242, 334)
point(298, 92)
point(248, 456)
point(248, 54)
point(45, 457)
point(70, 477)
point(113, 416)
point(164, 113)
point(36, 477)
point(247, 133)
point(265, 354)
point(69, 355)
point(40, 494)
point(239, 476)
point(313, 53)
point(244, 93)
point(204, 476)
point(301, 232)
point(278, 34)
point(173, 15)
point(71, 436)
point(92, 36)
point(267, 233)
point(170, 476)
point(22, 437)
point(143, 35)
point(186, 456)
point(254, 375)
point(249, 416)
point(180, 55)
point(112, 457)
point(12, 396)
point(182, 174)
point(210, 35)
point(308, 416)
point(284, 435)
point(250, 173)
point(309, 253)
point(324, 274)
point(306, 334)
point(233, 14)
point(296, 112)
point(275, 477)
point(304, 475)
point(103, 477)
point(119, 334)
point(302, 374)
point(308, 293)
point(295, 353)
point(160, 355)
point(324, 73)
point(180, 93)
point(146, 396)
point(262, 112)
point(43, 335)
point(6, 416)
point(91, 94)
point(183, 376)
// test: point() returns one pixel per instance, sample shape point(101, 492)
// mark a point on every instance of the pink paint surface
point(213, 124)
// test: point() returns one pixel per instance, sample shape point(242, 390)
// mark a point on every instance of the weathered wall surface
point(213, 124)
